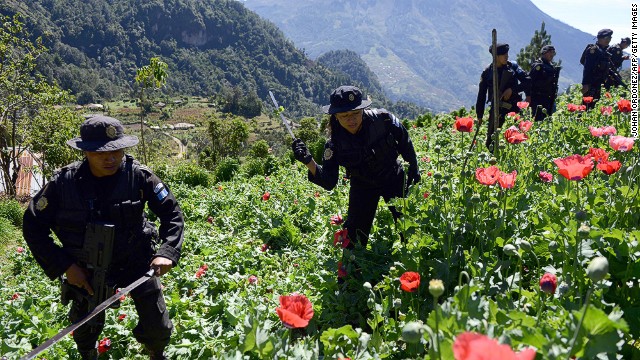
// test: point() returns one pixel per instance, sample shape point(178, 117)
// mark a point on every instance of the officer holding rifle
point(107, 192)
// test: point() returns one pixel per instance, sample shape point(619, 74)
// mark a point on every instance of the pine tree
point(531, 52)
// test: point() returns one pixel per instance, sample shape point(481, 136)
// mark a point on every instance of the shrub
point(253, 167)
point(11, 210)
point(226, 169)
point(187, 173)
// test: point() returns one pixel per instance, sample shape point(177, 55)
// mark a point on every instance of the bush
point(8, 232)
point(253, 167)
point(187, 173)
point(260, 149)
point(226, 169)
point(11, 210)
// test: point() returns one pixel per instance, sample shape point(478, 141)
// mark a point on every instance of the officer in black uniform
point(596, 61)
point(512, 80)
point(544, 83)
point(616, 52)
point(111, 187)
point(367, 143)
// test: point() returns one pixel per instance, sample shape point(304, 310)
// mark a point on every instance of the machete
point(100, 308)
point(284, 121)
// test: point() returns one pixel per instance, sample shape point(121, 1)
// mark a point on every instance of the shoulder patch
point(328, 154)
point(538, 68)
point(42, 203)
point(592, 50)
point(161, 191)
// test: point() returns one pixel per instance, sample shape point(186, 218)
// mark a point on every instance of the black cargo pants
point(154, 326)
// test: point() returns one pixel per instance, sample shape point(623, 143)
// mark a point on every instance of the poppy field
point(531, 253)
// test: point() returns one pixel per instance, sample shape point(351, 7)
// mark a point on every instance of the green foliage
point(11, 210)
point(531, 52)
point(228, 134)
point(253, 167)
point(308, 130)
point(186, 173)
point(226, 169)
point(260, 149)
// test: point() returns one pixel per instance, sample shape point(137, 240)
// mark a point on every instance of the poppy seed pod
point(475, 198)
point(524, 245)
point(553, 246)
point(510, 250)
point(436, 288)
point(493, 161)
point(598, 268)
point(412, 332)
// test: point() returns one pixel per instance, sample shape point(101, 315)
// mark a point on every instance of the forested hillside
point(212, 47)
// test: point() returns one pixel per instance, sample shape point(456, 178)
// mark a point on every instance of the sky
point(592, 15)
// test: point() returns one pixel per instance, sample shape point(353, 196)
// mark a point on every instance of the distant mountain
point(214, 48)
point(430, 52)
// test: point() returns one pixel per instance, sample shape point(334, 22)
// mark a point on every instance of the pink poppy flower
point(522, 104)
point(545, 176)
point(621, 143)
point(608, 130)
point(597, 132)
point(525, 125)
point(606, 110)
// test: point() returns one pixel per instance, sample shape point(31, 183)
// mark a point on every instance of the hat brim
point(328, 109)
point(101, 146)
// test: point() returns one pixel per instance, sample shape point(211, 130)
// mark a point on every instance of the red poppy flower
point(210, 219)
point(514, 136)
point(410, 281)
point(624, 105)
point(295, 311)
point(15, 296)
point(425, 195)
point(597, 132)
point(525, 125)
point(220, 188)
point(472, 346)
point(621, 143)
point(342, 272)
point(121, 317)
point(439, 125)
point(464, 124)
point(607, 95)
point(608, 130)
point(201, 270)
point(587, 99)
point(336, 219)
point(598, 154)
point(582, 107)
point(266, 196)
point(609, 167)
point(316, 194)
point(341, 237)
point(548, 283)
point(20, 249)
point(264, 247)
point(606, 110)
point(507, 180)
point(487, 176)
point(545, 176)
point(573, 107)
point(429, 173)
point(522, 104)
point(104, 345)
point(574, 167)
point(513, 116)
point(252, 279)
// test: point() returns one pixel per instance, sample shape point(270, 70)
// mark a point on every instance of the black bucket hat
point(604, 33)
point(345, 98)
point(501, 48)
point(545, 49)
point(102, 133)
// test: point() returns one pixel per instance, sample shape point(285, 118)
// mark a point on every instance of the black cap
point(604, 33)
point(102, 133)
point(345, 98)
point(625, 40)
point(501, 48)
point(545, 49)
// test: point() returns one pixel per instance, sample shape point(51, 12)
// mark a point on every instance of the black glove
point(413, 176)
point(300, 151)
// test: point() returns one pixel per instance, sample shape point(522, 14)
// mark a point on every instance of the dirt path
point(182, 149)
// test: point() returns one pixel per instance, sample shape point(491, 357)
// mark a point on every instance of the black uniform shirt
point(40, 217)
point(544, 78)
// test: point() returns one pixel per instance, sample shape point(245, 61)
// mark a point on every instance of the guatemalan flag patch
point(160, 191)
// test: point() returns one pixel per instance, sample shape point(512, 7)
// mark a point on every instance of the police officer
point(617, 54)
point(367, 143)
point(111, 187)
point(512, 80)
point(595, 59)
point(544, 83)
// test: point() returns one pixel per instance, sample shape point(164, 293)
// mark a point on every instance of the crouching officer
point(544, 83)
point(367, 143)
point(108, 186)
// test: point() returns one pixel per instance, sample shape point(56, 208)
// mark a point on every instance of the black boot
point(157, 355)
point(89, 354)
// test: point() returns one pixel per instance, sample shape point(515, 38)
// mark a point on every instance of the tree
point(228, 134)
point(153, 76)
point(531, 52)
point(24, 93)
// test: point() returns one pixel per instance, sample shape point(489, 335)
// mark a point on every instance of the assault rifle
point(96, 254)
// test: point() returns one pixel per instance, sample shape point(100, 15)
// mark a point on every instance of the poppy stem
point(437, 334)
point(575, 334)
point(540, 306)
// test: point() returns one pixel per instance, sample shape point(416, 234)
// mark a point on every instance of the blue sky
point(592, 15)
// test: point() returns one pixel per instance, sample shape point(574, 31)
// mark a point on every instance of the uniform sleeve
point(536, 73)
point(403, 141)
point(590, 63)
point(327, 173)
point(524, 81)
point(164, 205)
point(482, 95)
point(38, 221)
